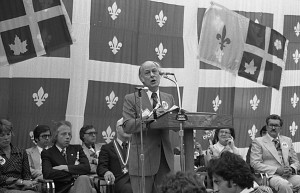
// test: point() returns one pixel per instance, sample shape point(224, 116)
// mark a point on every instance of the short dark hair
point(40, 129)
point(216, 137)
point(263, 130)
point(83, 130)
point(5, 125)
point(182, 182)
point(230, 166)
point(276, 117)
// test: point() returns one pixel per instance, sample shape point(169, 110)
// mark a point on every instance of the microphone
point(165, 73)
point(142, 88)
point(154, 110)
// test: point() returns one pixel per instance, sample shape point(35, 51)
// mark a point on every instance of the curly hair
point(231, 167)
point(182, 182)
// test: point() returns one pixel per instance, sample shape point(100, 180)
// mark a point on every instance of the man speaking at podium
point(158, 154)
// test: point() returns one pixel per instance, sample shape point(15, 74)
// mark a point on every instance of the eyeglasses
point(45, 136)
point(91, 133)
point(274, 126)
point(225, 132)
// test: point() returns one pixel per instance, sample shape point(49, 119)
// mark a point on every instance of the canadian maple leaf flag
point(237, 44)
point(30, 28)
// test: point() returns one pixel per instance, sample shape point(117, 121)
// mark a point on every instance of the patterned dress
point(14, 168)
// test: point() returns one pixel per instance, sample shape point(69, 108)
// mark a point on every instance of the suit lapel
point(269, 145)
point(61, 160)
point(36, 156)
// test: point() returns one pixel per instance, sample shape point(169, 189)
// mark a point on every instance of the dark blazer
point(64, 180)
point(108, 161)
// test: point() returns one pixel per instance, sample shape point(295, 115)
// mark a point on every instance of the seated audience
point(230, 174)
point(182, 182)
point(274, 155)
point(14, 167)
point(42, 135)
point(66, 164)
point(91, 149)
point(113, 161)
point(223, 141)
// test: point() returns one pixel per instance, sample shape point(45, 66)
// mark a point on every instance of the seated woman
point(223, 141)
point(14, 167)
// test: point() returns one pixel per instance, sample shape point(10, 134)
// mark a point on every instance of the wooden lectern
point(196, 120)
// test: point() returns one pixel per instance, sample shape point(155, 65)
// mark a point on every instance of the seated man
point(41, 136)
point(230, 174)
point(90, 147)
point(274, 155)
point(113, 161)
point(66, 164)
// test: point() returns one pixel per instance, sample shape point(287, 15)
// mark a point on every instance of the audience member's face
point(89, 136)
point(44, 139)
point(5, 138)
point(222, 186)
point(149, 76)
point(273, 127)
point(224, 135)
point(64, 136)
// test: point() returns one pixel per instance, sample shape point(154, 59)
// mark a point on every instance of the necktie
point(276, 143)
point(125, 147)
point(64, 154)
point(154, 98)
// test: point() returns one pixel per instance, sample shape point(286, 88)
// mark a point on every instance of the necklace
point(124, 163)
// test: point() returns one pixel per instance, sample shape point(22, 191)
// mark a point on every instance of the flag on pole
point(30, 28)
point(239, 45)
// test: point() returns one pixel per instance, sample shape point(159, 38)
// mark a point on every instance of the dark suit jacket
point(108, 161)
point(64, 180)
point(154, 139)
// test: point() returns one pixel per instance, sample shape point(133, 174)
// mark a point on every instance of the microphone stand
point(142, 157)
point(181, 117)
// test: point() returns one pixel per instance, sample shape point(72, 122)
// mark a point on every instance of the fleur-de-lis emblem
point(208, 134)
point(297, 29)
point(115, 45)
point(293, 128)
point(39, 97)
point(108, 135)
point(294, 100)
point(254, 102)
point(252, 132)
point(222, 38)
point(111, 100)
point(160, 51)
point(114, 11)
point(216, 103)
point(161, 19)
point(277, 44)
point(296, 56)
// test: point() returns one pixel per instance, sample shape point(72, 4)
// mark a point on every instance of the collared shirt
point(149, 93)
point(271, 138)
point(40, 149)
point(120, 142)
point(60, 149)
point(219, 146)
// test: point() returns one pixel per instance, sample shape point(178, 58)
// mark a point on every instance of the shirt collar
point(270, 137)
point(60, 148)
point(246, 190)
point(40, 149)
point(149, 93)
